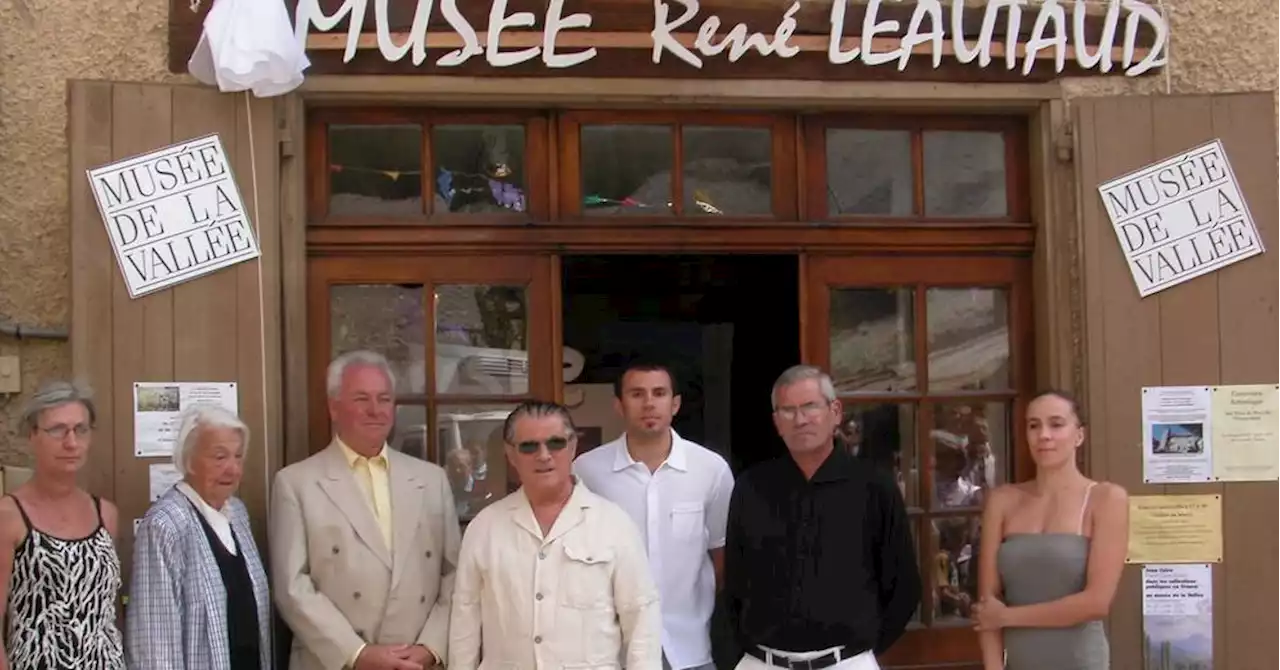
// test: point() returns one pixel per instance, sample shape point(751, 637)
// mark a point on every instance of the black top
point(821, 563)
point(242, 607)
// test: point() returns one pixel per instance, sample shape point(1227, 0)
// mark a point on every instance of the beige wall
point(42, 44)
point(1217, 45)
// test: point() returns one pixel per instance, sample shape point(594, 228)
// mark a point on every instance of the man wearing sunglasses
point(677, 492)
point(552, 575)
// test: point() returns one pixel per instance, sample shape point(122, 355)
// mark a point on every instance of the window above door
point(407, 167)
point(619, 168)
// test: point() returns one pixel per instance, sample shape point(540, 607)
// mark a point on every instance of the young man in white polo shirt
point(678, 494)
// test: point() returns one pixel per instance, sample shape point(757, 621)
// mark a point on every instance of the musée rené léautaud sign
point(1102, 36)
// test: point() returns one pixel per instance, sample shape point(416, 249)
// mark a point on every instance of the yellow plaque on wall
point(1175, 529)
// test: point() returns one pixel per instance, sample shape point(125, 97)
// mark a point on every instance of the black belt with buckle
point(824, 661)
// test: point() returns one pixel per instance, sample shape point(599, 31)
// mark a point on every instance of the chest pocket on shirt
point(687, 521)
point(587, 581)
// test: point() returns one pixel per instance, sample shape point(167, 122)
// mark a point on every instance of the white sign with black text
point(173, 215)
point(1180, 218)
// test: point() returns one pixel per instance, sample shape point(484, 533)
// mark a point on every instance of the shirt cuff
point(351, 662)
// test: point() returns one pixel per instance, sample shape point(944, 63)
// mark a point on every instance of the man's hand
point(421, 655)
point(387, 657)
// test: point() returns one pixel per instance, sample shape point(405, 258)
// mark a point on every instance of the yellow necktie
point(376, 488)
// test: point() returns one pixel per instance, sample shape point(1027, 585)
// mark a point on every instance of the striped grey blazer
point(177, 613)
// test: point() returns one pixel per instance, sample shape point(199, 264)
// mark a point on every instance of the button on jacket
point(582, 597)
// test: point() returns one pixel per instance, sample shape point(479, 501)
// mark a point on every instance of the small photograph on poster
point(1177, 616)
point(158, 405)
point(1177, 443)
point(1177, 438)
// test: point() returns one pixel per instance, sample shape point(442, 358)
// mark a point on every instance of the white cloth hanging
point(249, 45)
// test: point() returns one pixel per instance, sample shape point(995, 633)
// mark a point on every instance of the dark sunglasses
point(554, 444)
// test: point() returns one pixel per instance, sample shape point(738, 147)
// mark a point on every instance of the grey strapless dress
point(1037, 568)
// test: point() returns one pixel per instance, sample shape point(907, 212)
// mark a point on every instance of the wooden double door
point(930, 356)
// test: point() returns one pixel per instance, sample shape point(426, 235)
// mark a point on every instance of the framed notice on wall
point(173, 215)
point(1180, 218)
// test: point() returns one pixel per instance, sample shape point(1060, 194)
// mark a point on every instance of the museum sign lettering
point(682, 32)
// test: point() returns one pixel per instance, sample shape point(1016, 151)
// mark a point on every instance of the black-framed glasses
point(553, 444)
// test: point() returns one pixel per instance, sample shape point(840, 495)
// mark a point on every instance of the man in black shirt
point(820, 567)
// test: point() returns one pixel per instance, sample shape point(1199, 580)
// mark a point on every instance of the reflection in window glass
point(482, 340)
point(964, 174)
point(375, 170)
point(872, 340)
point(409, 435)
point(970, 442)
point(471, 453)
point(727, 170)
point(385, 318)
point(884, 435)
point(478, 169)
point(968, 339)
point(626, 169)
point(952, 556)
point(869, 172)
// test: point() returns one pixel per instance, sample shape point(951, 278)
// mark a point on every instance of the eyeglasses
point(60, 431)
point(810, 410)
point(553, 444)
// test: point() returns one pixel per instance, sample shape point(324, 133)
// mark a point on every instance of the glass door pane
point(922, 354)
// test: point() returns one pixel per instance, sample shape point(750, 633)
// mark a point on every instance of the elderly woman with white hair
point(199, 598)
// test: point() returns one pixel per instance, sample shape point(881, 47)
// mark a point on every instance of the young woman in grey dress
point(1049, 565)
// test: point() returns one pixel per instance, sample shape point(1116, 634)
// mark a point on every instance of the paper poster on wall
point(173, 214)
point(1246, 443)
point(1177, 616)
point(158, 405)
point(1177, 444)
point(1175, 529)
point(1180, 218)
point(162, 477)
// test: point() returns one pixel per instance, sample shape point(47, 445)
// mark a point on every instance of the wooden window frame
point(828, 272)
point(533, 271)
point(950, 249)
point(537, 167)
point(1014, 130)
point(783, 165)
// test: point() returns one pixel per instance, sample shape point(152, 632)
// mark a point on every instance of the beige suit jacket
point(333, 579)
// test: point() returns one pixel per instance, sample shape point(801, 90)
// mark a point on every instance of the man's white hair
point(338, 368)
point(197, 418)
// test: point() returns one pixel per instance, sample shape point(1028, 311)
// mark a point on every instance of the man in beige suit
point(364, 539)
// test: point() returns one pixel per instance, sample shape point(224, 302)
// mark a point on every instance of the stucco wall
point(42, 44)
point(1217, 45)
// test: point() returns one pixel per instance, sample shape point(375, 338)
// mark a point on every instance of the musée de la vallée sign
point(1056, 25)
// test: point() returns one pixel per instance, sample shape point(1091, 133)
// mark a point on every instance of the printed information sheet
point(1177, 616)
point(157, 407)
point(1177, 447)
